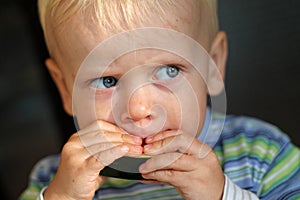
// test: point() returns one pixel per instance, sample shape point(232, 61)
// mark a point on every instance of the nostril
point(139, 114)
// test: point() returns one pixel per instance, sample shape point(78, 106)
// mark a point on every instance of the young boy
point(138, 106)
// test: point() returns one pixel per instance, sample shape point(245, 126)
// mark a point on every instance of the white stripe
point(235, 148)
point(41, 195)
point(264, 151)
point(238, 167)
point(280, 170)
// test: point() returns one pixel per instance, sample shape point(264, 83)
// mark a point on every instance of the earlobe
point(218, 53)
point(60, 82)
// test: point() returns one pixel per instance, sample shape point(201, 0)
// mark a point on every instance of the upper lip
point(142, 132)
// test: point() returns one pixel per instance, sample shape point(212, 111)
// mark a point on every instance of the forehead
point(82, 33)
point(152, 47)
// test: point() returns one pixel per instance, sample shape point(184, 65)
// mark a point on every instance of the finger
point(179, 143)
point(97, 148)
point(171, 177)
point(100, 160)
point(185, 168)
point(162, 135)
point(100, 136)
point(100, 181)
point(170, 161)
point(183, 143)
point(150, 182)
point(75, 148)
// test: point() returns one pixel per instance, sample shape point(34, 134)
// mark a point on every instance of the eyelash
point(167, 67)
point(178, 67)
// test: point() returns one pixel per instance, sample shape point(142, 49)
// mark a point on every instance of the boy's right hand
point(78, 172)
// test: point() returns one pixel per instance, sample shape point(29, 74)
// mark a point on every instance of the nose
point(139, 106)
point(143, 115)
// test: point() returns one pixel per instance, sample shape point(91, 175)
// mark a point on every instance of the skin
point(193, 174)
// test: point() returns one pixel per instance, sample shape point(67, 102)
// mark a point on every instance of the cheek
point(185, 110)
point(173, 109)
point(201, 94)
point(194, 106)
point(103, 109)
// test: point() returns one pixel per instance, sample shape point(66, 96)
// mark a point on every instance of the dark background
point(262, 80)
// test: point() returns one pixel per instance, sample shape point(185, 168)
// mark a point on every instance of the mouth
point(150, 129)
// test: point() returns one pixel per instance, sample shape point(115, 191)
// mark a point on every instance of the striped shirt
point(256, 157)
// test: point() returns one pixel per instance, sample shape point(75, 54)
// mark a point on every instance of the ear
point(218, 52)
point(60, 82)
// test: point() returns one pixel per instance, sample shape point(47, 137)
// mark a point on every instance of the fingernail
point(138, 148)
point(147, 147)
point(137, 140)
point(149, 139)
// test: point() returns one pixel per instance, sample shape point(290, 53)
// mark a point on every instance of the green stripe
point(31, 193)
point(116, 182)
point(269, 149)
point(291, 153)
point(232, 142)
point(218, 151)
point(268, 146)
point(252, 169)
point(297, 197)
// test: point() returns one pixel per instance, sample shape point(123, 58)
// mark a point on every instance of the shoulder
point(252, 128)
point(251, 136)
point(253, 152)
point(246, 137)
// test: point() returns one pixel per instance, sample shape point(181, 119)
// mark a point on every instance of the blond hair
point(114, 14)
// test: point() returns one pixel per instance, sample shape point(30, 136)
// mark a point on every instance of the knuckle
point(99, 123)
point(124, 137)
point(67, 156)
point(181, 137)
point(212, 158)
point(104, 135)
point(164, 143)
point(108, 156)
point(164, 135)
point(170, 173)
point(73, 137)
point(181, 159)
point(68, 149)
point(98, 159)
point(205, 152)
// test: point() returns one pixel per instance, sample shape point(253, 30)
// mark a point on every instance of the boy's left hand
point(184, 162)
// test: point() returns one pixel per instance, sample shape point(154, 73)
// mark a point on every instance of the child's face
point(142, 92)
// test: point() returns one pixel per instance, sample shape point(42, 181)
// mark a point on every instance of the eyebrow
point(117, 68)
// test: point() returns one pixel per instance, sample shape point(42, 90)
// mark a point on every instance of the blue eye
point(104, 82)
point(167, 72)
